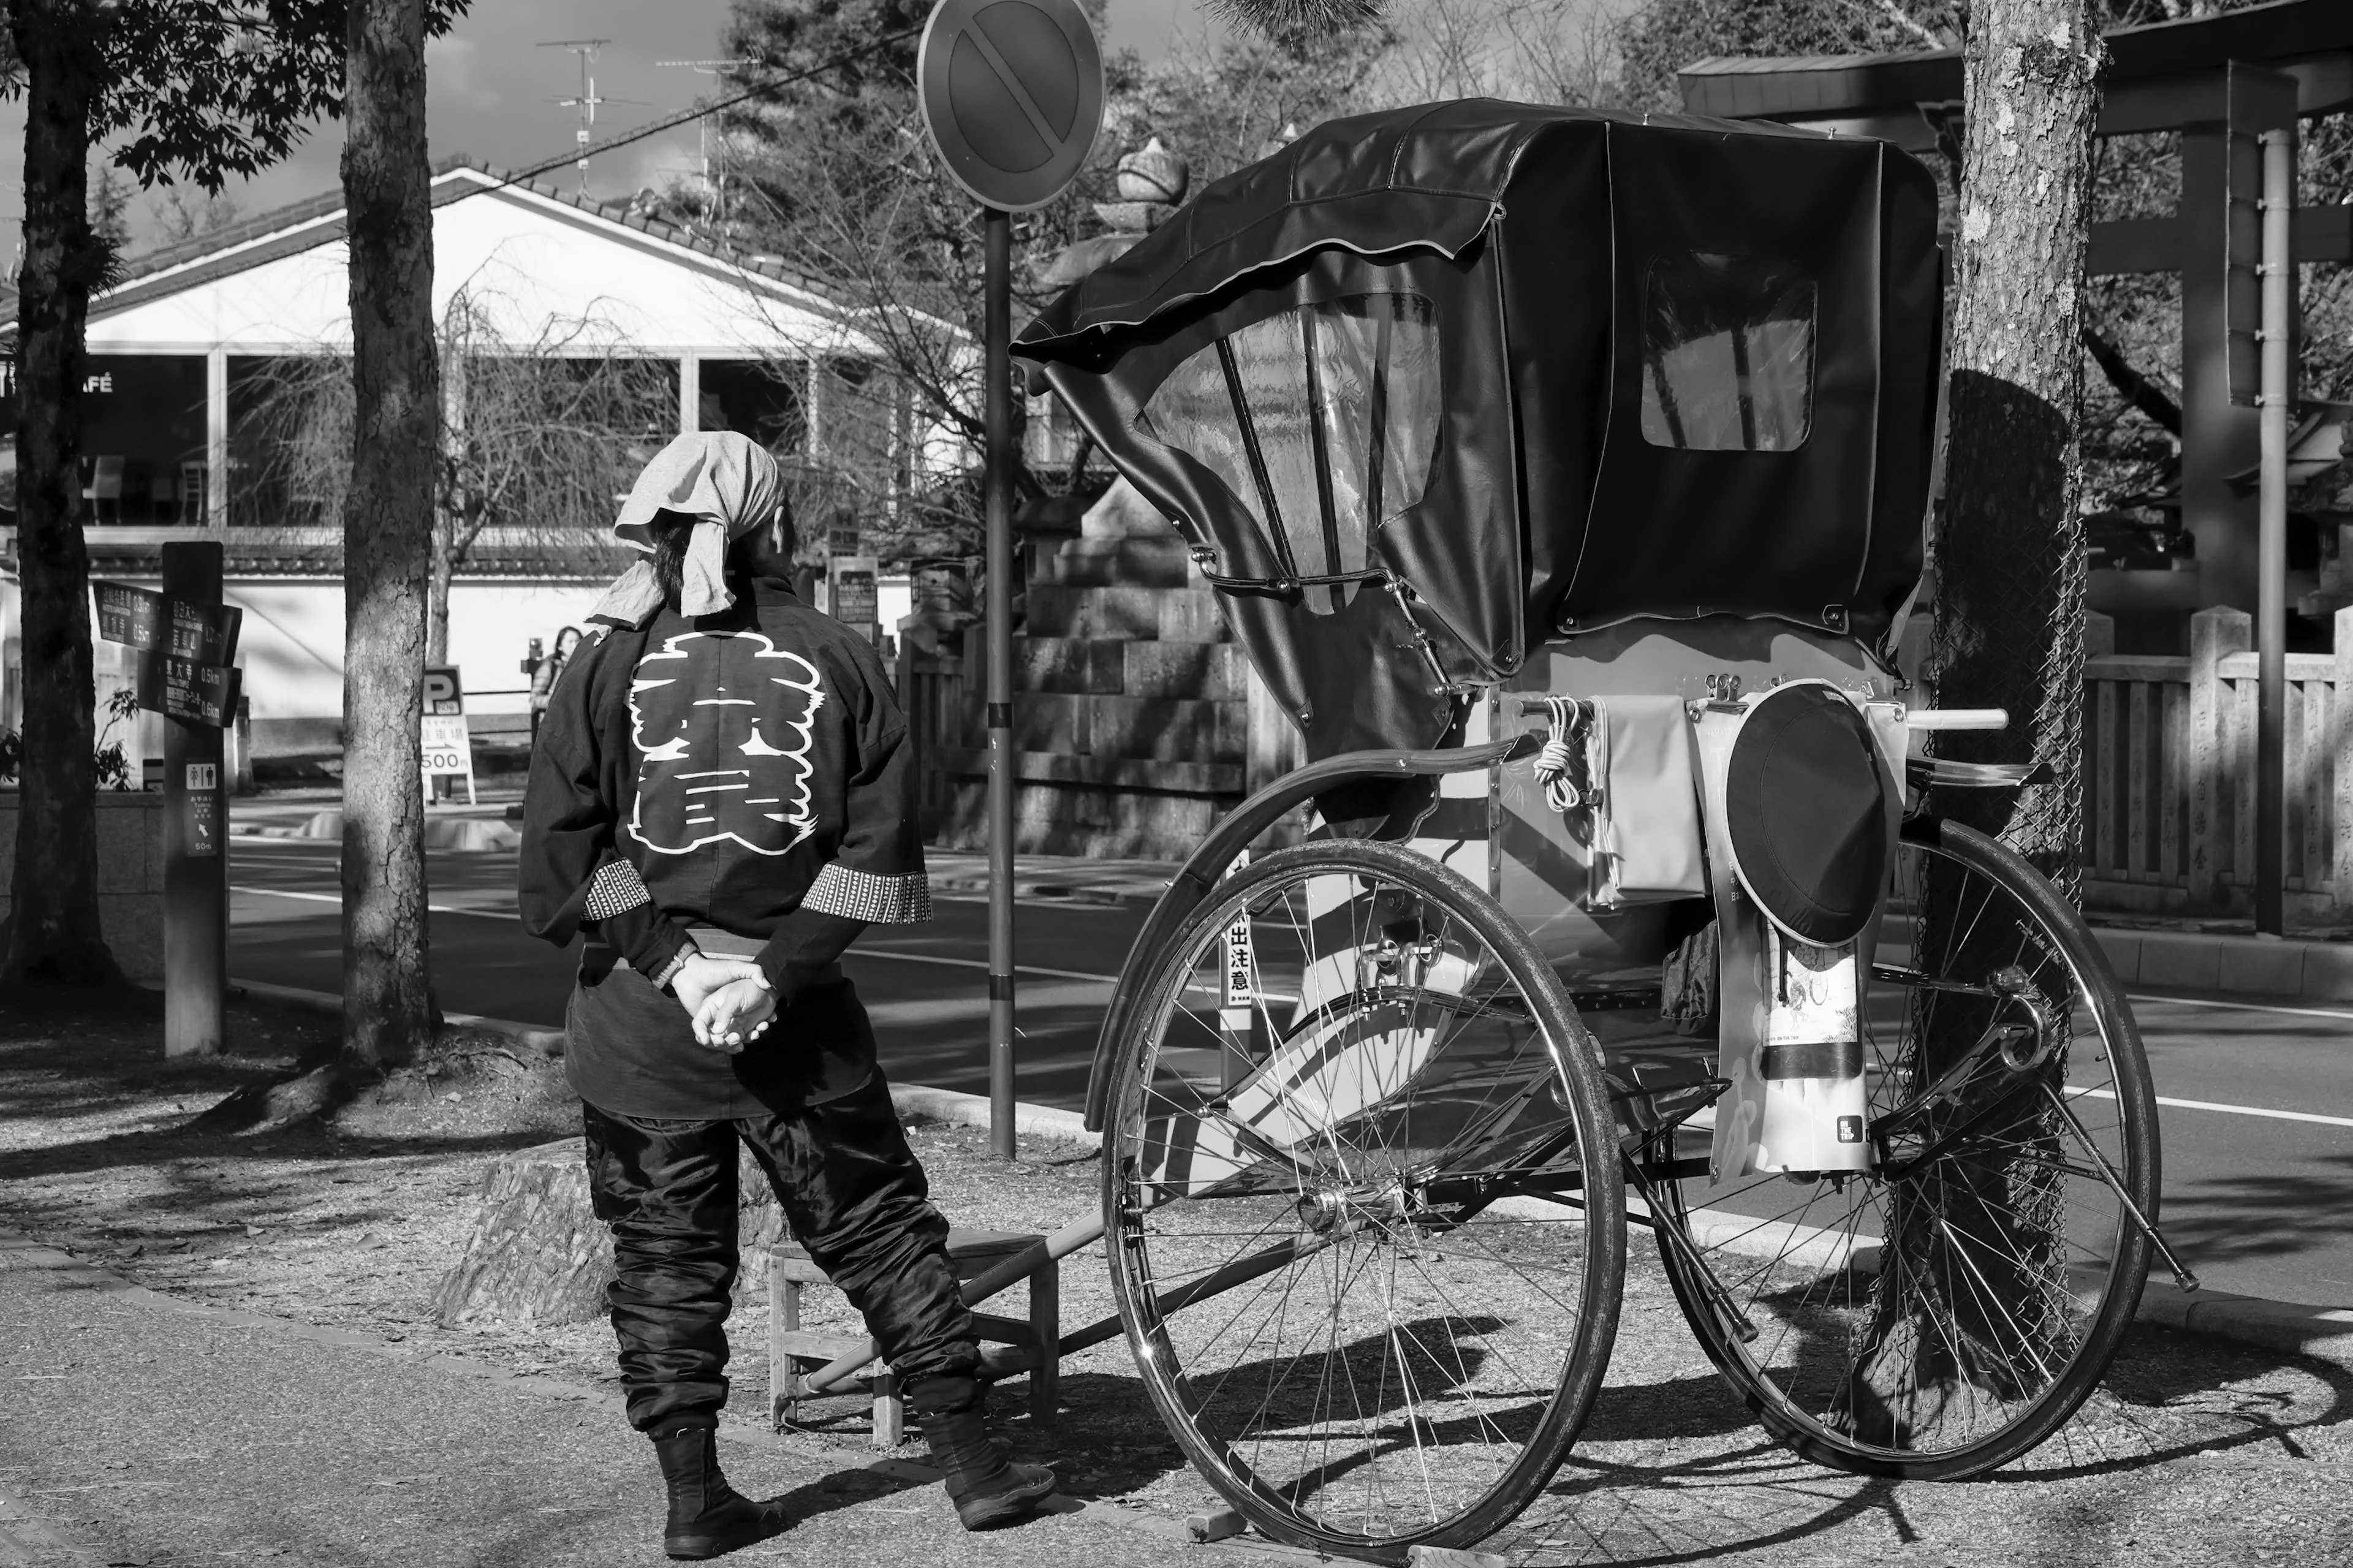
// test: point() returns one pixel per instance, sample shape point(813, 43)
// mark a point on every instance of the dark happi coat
point(742, 781)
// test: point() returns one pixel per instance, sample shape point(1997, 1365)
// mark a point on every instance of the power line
point(688, 116)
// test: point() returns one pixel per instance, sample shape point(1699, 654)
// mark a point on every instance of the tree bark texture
point(387, 529)
point(2009, 553)
point(1979, 1234)
point(53, 927)
point(539, 1254)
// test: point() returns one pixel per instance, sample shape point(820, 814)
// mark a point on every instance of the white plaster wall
point(490, 627)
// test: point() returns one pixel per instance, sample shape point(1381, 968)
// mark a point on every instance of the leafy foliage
point(207, 90)
point(110, 764)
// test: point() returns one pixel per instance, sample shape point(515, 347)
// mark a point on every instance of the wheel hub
point(1340, 1210)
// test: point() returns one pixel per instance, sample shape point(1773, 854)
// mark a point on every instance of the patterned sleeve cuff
point(616, 889)
point(863, 896)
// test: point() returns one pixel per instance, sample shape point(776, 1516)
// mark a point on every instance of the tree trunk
point(53, 927)
point(443, 571)
point(2009, 549)
point(2009, 633)
point(387, 529)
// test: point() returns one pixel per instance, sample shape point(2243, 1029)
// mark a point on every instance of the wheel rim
point(1407, 1348)
point(2013, 1263)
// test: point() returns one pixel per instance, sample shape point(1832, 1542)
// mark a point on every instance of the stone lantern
point(1151, 185)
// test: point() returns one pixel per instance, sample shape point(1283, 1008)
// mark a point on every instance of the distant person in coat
point(544, 674)
point(720, 802)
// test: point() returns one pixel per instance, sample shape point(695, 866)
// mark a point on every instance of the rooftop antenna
point(587, 101)
point(712, 181)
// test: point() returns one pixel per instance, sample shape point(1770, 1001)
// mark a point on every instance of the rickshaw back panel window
point(1340, 400)
point(1728, 354)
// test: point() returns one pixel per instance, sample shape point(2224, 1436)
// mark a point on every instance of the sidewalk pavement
point(148, 1429)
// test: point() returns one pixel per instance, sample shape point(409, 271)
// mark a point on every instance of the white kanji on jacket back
point(721, 722)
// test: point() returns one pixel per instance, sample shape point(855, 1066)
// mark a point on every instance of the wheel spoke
point(2002, 1260)
point(1418, 1044)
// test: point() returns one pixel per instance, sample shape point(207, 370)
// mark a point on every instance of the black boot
point(987, 1488)
point(708, 1518)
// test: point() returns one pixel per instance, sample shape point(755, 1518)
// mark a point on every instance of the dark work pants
point(852, 1193)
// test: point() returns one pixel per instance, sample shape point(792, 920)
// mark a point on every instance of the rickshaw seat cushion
point(1648, 843)
point(1805, 813)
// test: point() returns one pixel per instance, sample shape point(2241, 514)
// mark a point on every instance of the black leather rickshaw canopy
point(1536, 239)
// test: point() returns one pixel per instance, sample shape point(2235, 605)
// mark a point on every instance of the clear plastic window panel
point(1340, 400)
point(1728, 354)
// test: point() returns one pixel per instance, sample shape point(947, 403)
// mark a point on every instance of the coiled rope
point(1559, 751)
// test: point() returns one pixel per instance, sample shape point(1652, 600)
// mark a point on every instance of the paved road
point(924, 984)
point(2258, 1135)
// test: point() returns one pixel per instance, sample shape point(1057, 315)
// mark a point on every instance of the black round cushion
point(1806, 811)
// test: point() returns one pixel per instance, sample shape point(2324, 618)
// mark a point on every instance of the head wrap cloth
point(729, 484)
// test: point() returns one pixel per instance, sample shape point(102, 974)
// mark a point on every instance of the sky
point(491, 90)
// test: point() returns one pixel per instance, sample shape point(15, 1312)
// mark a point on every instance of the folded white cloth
point(729, 484)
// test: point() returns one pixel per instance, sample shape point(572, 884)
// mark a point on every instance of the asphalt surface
point(925, 985)
point(2258, 1127)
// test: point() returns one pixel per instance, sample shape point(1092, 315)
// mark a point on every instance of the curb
point(480, 833)
point(2234, 966)
point(546, 1042)
point(2323, 1333)
point(962, 1110)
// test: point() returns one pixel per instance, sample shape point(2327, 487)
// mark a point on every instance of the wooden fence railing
point(2170, 774)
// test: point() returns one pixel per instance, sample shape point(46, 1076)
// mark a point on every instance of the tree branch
point(2134, 388)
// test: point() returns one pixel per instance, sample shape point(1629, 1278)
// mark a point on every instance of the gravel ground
point(2198, 1451)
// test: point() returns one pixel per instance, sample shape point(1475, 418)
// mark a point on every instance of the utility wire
point(688, 116)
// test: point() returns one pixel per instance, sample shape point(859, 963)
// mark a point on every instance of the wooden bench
point(1034, 1346)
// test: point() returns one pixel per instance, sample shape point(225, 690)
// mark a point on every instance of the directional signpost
point(187, 641)
point(1012, 94)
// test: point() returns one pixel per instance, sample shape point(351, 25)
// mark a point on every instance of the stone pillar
point(2214, 782)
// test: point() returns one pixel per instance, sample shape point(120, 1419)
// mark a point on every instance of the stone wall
point(130, 875)
point(1130, 708)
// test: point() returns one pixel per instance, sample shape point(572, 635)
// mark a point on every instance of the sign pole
point(195, 868)
point(2274, 406)
point(1013, 108)
point(997, 414)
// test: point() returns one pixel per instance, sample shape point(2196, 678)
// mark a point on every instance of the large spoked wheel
point(1364, 1202)
point(1946, 1312)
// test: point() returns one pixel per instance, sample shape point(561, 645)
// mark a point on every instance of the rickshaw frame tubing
point(1198, 876)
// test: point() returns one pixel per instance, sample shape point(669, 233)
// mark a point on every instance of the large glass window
point(1322, 421)
point(1728, 354)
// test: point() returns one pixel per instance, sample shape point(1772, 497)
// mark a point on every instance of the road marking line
point(337, 899)
point(978, 964)
point(2232, 1110)
point(2244, 1007)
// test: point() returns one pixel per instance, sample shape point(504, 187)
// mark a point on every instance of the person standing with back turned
point(721, 801)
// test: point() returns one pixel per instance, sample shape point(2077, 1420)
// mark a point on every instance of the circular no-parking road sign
point(1012, 92)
